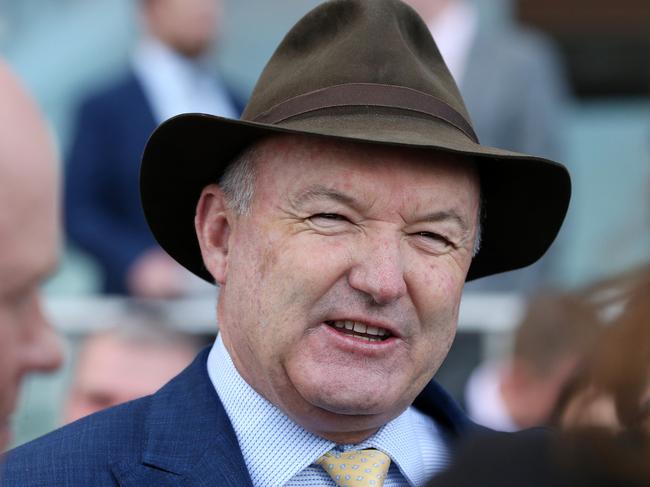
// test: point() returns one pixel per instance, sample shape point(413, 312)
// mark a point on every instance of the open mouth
point(360, 330)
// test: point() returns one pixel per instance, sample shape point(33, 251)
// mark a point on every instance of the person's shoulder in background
point(539, 458)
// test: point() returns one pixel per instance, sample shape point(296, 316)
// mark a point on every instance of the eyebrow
point(320, 192)
point(445, 215)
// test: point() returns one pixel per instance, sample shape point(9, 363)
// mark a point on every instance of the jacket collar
point(435, 402)
point(188, 437)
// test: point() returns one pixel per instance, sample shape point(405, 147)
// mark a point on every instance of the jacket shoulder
point(435, 402)
point(81, 453)
point(119, 94)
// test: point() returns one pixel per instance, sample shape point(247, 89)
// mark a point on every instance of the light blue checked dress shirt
point(279, 452)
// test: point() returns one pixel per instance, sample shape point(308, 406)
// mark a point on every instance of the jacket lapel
point(441, 407)
point(188, 438)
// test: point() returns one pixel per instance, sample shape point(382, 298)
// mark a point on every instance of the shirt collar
point(485, 403)
point(454, 31)
point(177, 84)
point(264, 431)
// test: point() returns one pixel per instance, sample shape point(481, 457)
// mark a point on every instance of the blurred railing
point(479, 312)
point(485, 323)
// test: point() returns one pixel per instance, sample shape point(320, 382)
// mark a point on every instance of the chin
point(192, 50)
point(355, 403)
point(349, 391)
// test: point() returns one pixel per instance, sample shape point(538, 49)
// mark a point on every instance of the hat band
point(367, 94)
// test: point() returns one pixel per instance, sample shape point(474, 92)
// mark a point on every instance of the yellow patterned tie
point(356, 468)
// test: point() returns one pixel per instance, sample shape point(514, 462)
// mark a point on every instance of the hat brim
point(525, 198)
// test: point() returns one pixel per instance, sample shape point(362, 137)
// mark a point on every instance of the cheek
point(268, 279)
point(304, 263)
point(295, 275)
point(435, 289)
point(435, 286)
point(269, 255)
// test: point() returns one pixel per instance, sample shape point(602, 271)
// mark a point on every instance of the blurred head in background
point(189, 27)
point(125, 362)
point(613, 387)
point(29, 234)
point(522, 390)
point(551, 341)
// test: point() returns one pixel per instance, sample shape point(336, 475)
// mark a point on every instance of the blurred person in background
point(603, 413)
point(29, 233)
point(124, 362)
point(515, 90)
point(586, 458)
point(612, 389)
point(522, 391)
point(170, 73)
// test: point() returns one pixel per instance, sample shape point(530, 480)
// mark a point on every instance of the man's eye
point(329, 216)
point(431, 235)
point(327, 220)
point(435, 241)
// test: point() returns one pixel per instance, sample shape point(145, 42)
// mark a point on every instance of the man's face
point(344, 236)
point(188, 26)
point(28, 243)
point(112, 370)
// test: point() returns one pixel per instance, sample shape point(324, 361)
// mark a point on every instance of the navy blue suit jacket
point(180, 436)
point(102, 200)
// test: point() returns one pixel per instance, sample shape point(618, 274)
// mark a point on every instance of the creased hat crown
point(372, 41)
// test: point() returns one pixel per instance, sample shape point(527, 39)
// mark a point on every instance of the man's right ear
point(212, 224)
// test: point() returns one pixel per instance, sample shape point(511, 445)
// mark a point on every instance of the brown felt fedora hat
point(366, 71)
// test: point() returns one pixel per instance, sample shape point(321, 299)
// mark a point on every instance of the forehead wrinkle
point(445, 215)
point(321, 192)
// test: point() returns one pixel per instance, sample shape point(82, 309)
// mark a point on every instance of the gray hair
point(480, 221)
point(238, 181)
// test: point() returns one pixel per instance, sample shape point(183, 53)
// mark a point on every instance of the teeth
point(369, 339)
point(361, 328)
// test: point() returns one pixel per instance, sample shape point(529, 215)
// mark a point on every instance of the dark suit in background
point(102, 199)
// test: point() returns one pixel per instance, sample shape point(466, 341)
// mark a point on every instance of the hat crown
point(365, 71)
point(336, 44)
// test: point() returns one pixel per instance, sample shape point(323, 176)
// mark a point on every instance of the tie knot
point(356, 468)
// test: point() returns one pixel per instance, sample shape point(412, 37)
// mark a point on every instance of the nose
point(379, 271)
point(41, 346)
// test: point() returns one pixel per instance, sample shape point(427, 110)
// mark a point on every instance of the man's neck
point(347, 437)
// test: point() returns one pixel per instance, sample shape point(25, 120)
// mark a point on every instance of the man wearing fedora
point(340, 218)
